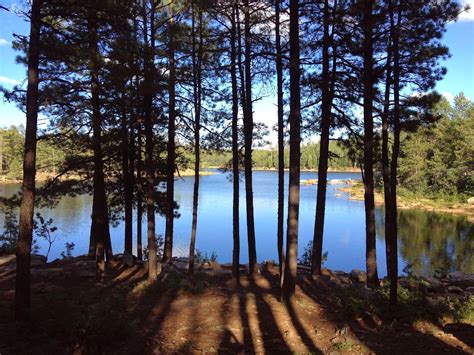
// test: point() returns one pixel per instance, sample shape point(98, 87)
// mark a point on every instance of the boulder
point(181, 265)
point(219, 272)
point(461, 279)
point(38, 260)
point(358, 276)
point(50, 273)
point(409, 284)
point(434, 285)
point(470, 290)
point(455, 289)
point(470, 201)
point(214, 264)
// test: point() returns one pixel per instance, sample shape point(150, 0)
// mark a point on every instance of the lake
point(429, 242)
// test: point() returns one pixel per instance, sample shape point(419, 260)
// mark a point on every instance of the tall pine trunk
point(323, 150)
point(248, 137)
point(385, 154)
point(281, 144)
point(171, 154)
point(395, 153)
point(289, 281)
point(197, 64)
point(128, 189)
point(235, 152)
point(150, 165)
point(139, 197)
point(100, 212)
point(368, 84)
point(23, 252)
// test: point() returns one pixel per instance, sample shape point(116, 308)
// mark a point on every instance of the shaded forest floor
point(72, 313)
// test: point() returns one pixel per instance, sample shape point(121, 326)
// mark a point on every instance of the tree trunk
point(93, 230)
point(139, 194)
point(385, 153)
point(128, 188)
point(100, 212)
point(235, 153)
point(281, 145)
point(395, 154)
point(197, 64)
point(289, 281)
point(23, 252)
point(368, 83)
point(150, 166)
point(323, 149)
point(248, 136)
point(168, 252)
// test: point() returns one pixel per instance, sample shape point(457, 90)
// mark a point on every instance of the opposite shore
point(356, 192)
point(354, 189)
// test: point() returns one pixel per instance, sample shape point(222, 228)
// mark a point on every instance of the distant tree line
point(49, 160)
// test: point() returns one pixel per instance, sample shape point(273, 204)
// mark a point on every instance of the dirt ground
point(72, 313)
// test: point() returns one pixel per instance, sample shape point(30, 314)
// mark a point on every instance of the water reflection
point(433, 242)
point(428, 241)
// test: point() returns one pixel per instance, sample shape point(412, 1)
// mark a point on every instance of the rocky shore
point(455, 285)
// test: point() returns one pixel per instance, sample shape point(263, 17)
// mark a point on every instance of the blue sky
point(460, 77)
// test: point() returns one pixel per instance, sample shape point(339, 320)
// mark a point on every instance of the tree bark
point(281, 144)
point(235, 153)
point(385, 153)
point(100, 212)
point(23, 252)
point(168, 252)
point(139, 194)
point(197, 65)
point(324, 148)
point(150, 166)
point(368, 84)
point(395, 153)
point(289, 281)
point(128, 188)
point(248, 137)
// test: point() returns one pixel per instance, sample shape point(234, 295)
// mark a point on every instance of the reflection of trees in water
point(431, 241)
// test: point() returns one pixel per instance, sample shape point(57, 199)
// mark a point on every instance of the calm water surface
point(428, 241)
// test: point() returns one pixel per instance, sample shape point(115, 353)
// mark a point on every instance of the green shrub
point(307, 257)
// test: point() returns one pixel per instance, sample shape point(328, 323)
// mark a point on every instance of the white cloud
point(9, 81)
point(467, 15)
point(3, 42)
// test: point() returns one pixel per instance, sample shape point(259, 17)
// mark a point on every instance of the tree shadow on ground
point(274, 280)
point(463, 332)
point(380, 334)
point(207, 314)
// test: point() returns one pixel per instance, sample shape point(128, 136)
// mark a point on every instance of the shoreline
point(356, 193)
point(45, 177)
point(331, 170)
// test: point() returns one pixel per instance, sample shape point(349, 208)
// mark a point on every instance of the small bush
point(307, 257)
point(159, 247)
point(201, 258)
point(68, 252)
